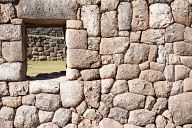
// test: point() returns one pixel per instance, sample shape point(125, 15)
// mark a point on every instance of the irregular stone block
point(131, 126)
point(120, 86)
point(151, 75)
point(107, 99)
point(186, 60)
point(150, 101)
point(10, 32)
point(160, 106)
point(159, 1)
point(124, 16)
point(180, 107)
point(27, 9)
point(4, 89)
point(181, 72)
point(109, 24)
point(187, 85)
point(153, 53)
point(45, 116)
point(108, 71)
point(109, 5)
point(26, 116)
point(187, 35)
point(12, 102)
point(182, 49)
point(135, 37)
point(169, 72)
point(162, 53)
point(157, 66)
point(109, 123)
point(47, 102)
point(93, 43)
point(162, 88)
point(90, 74)
point(129, 101)
point(106, 85)
point(127, 72)
point(177, 87)
point(7, 1)
point(6, 12)
point(88, 2)
point(141, 117)
point(49, 124)
point(7, 114)
point(141, 87)
point(140, 20)
point(29, 100)
point(137, 53)
point(74, 24)
point(18, 88)
point(161, 121)
point(90, 16)
point(76, 39)
point(72, 74)
point(160, 15)
point(71, 93)
point(81, 58)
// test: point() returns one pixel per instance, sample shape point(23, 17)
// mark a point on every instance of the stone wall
point(46, 44)
point(128, 65)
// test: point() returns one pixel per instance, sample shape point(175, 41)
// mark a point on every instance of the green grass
point(36, 67)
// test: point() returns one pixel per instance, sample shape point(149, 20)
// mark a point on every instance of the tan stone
point(6, 13)
point(182, 48)
point(108, 71)
point(90, 74)
point(152, 53)
point(181, 72)
point(187, 35)
point(157, 66)
point(93, 43)
point(74, 24)
point(12, 102)
point(109, 5)
point(109, 123)
point(160, 106)
point(162, 88)
point(187, 86)
point(186, 60)
point(120, 86)
point(151, 75)
point(135, 37)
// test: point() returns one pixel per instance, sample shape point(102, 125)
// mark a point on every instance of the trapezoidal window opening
point(46, 52)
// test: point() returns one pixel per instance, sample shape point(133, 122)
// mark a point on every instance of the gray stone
point(40, 86)
point(7, 12)
point(47, 102)
point(160, 121)
point(169, 72)
point(4, 89)
point(186, 60)
point(187, 85)
point(18, 88)
point(131, 126)
point(48, 125)
point(160, 106)
point(137, 53)
point(151, 75)
point(135, 36)
point(109, 23)
point(162, 53)
point(106, 85)
point(90, 114)
point(72, 74)
point(127, 72)
point(153, 52)
point(159, 1)
point(29, 100)
point(88, 2)
point(162, 88)
point(74, 24)
point(182, 48)
point(71, 93)
point(180, 108)
point(90, 16)
point(76, 39)
point(177, 88)
point(103, 109)
point(108, 71)
point(144, 66)
point(10, 32)
point(81, 108)
point(120, 86)
point(92, 92)
point(107, 99)
point(129, 101)
point(160, 15)
point(141, 117)
point(90, 74)
point(12, 102)
point(26, 117)
point(157, 66)
point(187, 33)
point(150, 101)
point(7, 113)
point(181, 72)
point(141, 87)
point(45, 116)
point(62, 117)
point(27, 9)
point(109, 123)
point(107, 5)
point(93, 43)
point(140, 20)
point(81, 58)
point(124, 16)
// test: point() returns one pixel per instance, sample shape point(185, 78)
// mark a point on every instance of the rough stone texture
point(45, 116)
point(119, 114)
point(137, 53)
point(140, 19)
point(162, 88)
point(141, 117)
point(72, 74)
point(18, 88)
point(106, 85)
point(107, 5)
point(91, 74)
point(26, 117)
point(180, 107)
point(74, 24)
point(169, 72)
point(150, 101)
point(12, 102)
point(29, 100)
point(187, 33)
point(120, 86)
point(185, 60)
point(71, 93)
point(160, 106)
point(4, 90)
point(151, 75)
point(7, 113)
point(182, 48)
point(108, 71)
point(109, 123)
point(93, 43)
point(160, 121)
point(187, 85)
point(181, 72)
point(48, 125)
point(160, 15)
point(129, 101)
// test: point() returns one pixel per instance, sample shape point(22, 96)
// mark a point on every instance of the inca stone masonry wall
point(128, 65)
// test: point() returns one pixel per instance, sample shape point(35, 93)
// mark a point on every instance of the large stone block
point(180, 107)
point(109, 5)
point(182, 49)
point(187, 35)
point(91, 19)
point(81, 58)
point(13, 51)
point(6, 12)
point(151, 75)
point(12, 71)
point(76, 39)
point(109, 24)
point(51, 9)
point(18, 88)
point(140, 19)
point(10, 32)
point(160, 15)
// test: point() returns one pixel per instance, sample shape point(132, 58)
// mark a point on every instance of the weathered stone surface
point(119, 114)
point(47, 102)
point(160, 121)
point(103, 109)
point(174, 59)
point(29, 100)
point(129, 101)
point(18, 88)
point(76, 39)
point(81, 108)
point(153, 36)
point(6, 1)
point(135, 37)
point(72, 74)
point(91, 19)
point(81, 58)
point(177, 87)
point(141, 87)
point(12, 71)
point(107, 99)
point(140, 19)
point(181, 72)
point(48, 125)
point(7, 113)
point(118, 59)
point(36, 87)
point(180, 107)
point(137, 53)
point(180, 10)
point(107, 59)
point(10, 32)
point(74, 24)
point(187, 35)
point(109, 123)
point(90, 74)
point(151, 75)
point(26, 117)
point(174, 32)
point(186, 60)
point(45, 116)
point(71, 93)
point(107, 5)
point(90, 114)
point(71, 126)
point(7, 12)
point(109, 24)
point(144, 66)
point(153, 53)
point(88, 2)
point(157, 66)
point(93, 43)
point(47, 10)
point(12, 102)
point(108, 71)
point(4, 89)
point(159, 1)
point(182, 48)
point(162, 53)
point(92, 91)
point(187, 87)
point(131, 126)
point(160, 15)
point(106, 85)
point(62, 117)
point(162, 88)
point(150, 101)
point(120, 86)
point(114, 45)
point(141, 117)
point(124, 16)
point(127, 72)
point(169, 72)
point(160, 106)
